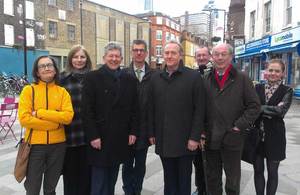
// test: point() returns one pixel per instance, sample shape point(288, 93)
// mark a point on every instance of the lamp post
point(210, 23)
point(24, 39)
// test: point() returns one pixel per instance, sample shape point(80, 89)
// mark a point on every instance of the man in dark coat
point(233, 107)
point(202, 57)
point(134, 169)
point(176, 119)
point(109, 107)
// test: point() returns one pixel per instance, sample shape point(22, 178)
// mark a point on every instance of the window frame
point(70, 32)
point(53, 35)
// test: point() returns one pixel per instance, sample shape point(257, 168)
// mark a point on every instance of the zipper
point(47, 109)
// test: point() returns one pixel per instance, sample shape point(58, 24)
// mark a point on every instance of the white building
point(272, 30)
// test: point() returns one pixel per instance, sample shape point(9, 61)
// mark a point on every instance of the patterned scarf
point(270, 89)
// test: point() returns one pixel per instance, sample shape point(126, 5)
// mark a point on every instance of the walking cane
point(204, 161)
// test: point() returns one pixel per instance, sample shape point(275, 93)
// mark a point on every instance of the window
point(288, 12)
point(252, 24)
point(267, 18)
point(158, 20)
point(159, 35)
point(158, 50)
point(9, 34)
point(8, 7)
point(52, 2)
point(70, 4)
point(71, 32)
point(168, 36)
point(29, 10)
point(52, 29)
point(173, 37)
point(30, 37)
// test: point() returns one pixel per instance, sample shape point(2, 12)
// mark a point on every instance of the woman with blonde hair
point(76, 173)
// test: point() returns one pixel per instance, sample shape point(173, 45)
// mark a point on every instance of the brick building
point(163, 29)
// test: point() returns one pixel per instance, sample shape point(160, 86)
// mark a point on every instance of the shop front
point(251, 58)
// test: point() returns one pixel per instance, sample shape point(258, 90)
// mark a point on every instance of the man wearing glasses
point(232, 107)
point(134, 169)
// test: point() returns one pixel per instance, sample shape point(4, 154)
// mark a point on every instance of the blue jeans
point(177, 175)
point(104, 180)
point(133, 171)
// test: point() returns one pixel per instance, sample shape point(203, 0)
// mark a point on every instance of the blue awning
point(282, 48)
point(247, 55)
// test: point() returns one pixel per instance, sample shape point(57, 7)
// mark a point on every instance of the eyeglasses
point(138, 50)
point(44, 66)
point(220, 54)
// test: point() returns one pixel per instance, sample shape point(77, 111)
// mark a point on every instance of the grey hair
point(229, 48)
point(112, 46)
point(175, 42)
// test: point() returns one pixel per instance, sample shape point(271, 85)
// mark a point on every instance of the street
point(289, 171)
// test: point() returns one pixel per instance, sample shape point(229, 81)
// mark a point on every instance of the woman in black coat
point(275, 99)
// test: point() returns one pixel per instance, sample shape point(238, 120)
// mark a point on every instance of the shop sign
point(286, 37)
point(258, 45)
point(239, 50)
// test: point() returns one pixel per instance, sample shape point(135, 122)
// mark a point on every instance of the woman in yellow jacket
point(52, 110)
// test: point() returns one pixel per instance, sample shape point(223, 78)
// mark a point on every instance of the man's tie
point(139, 74)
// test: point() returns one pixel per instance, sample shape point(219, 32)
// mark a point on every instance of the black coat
point(143, 99)
point(236, 104)
point(109, 107)
point(177, 110)
point(272, 117)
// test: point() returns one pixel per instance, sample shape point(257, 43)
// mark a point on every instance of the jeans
point(177, 175)
point(134, 170)
point(104, 180)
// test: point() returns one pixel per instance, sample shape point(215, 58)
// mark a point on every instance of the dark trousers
point(259, 178)
point(230, 161)
point(134, 170)
point(199, 172)
point(177, 175)
point(76, 173)
point(104, 180)
point(44, 161)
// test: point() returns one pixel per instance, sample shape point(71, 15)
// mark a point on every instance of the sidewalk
point(289, 171)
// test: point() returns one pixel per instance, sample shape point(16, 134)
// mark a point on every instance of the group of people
point(85, 123)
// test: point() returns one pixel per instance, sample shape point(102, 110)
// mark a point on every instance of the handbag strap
point(30, 133)
point(32, 102)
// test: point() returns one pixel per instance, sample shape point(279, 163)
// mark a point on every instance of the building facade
point(53, 26)
point(197, 24)
point(163, 29)
point(272, 30)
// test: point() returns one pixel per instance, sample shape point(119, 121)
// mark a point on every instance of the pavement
point(289, 170)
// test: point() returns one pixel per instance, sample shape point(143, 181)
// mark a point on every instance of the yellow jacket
point(53, 107)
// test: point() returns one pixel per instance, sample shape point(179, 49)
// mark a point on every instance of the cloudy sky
point(169, 7)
